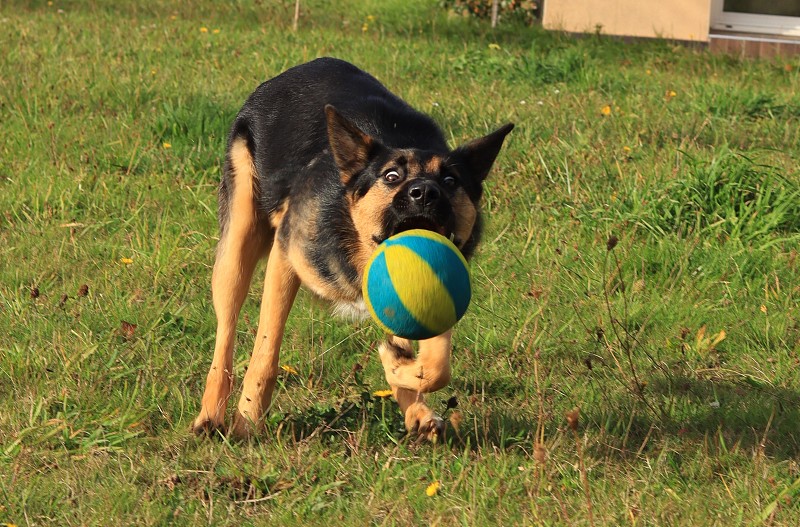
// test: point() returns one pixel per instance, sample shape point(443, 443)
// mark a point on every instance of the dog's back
point(288, 110)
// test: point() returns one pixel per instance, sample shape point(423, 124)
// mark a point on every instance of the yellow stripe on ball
point(422, 293)
point(416, 285)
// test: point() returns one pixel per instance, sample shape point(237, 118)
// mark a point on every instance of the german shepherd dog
point(323, 164)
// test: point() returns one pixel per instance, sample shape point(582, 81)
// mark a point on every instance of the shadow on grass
point(373, 421)
point(715, 416)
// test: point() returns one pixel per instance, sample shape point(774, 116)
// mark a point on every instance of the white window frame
point(752, 23)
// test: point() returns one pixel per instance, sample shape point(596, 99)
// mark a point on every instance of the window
point(778, 17)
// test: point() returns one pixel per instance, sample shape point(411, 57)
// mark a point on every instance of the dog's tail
point(239, 169)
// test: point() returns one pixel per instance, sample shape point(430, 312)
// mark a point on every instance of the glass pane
point(763, 7)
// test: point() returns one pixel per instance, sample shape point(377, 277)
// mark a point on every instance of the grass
point(678, 339)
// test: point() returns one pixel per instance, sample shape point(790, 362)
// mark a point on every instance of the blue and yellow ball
point(416, 284)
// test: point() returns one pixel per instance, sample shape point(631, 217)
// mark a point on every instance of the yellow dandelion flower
point(289, 369)
point(494, 45)
point(606, 110)
point(173, 17)
point(648, 72)
point(167, 146)
point(371, 18)
point(433, 488)
point(203, 30)
point(382, 393)
point(365, 27)
point(126, 261)
point(627, 149)
point(216, 31)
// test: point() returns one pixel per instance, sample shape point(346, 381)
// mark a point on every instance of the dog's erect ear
point(349, 145)
point(479, 154)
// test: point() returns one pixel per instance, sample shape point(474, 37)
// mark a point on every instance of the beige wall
point(673, 19)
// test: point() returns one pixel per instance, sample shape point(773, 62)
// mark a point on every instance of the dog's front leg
point(280, 288)
point(411, 377)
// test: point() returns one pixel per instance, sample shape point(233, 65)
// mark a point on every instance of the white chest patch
point(351, 310)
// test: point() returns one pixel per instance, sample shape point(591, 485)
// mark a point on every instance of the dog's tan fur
point(243, 243)
point(315, 183)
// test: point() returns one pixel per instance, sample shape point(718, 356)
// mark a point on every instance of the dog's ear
point(479, 154)
point(350, 146)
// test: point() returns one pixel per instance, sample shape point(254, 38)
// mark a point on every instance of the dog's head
point(394, 190)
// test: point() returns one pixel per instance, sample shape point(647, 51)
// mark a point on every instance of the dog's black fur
point(323, 164)
point(287, 132)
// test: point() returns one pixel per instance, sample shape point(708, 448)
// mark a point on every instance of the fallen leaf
point(539, 453)
point(127, 330)
point(573, 417)
point(456, 419)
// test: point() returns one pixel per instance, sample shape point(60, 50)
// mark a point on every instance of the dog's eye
point(392, 176)
point(449, 181)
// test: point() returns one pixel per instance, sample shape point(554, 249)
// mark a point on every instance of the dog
point(323, 163)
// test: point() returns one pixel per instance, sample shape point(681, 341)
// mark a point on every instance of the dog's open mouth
point(417, 222)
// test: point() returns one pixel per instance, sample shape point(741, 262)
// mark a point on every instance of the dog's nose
point(424, 192)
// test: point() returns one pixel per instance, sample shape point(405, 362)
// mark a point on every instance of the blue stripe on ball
point(420, 290)
point(448, 270)
point(398, 319)
point(455, 281)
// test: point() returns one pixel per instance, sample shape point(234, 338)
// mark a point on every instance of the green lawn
point(679, 344)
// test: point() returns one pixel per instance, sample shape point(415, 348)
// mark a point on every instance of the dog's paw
point(243, 428)
point(205, 426)
point(422, 421)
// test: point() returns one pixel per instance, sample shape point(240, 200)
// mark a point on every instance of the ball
point(416, 285)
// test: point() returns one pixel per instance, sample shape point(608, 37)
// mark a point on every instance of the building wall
point(672, 19)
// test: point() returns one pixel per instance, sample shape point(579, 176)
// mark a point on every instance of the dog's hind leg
point(243, 241)
point(280, 288)
point(411, 377)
